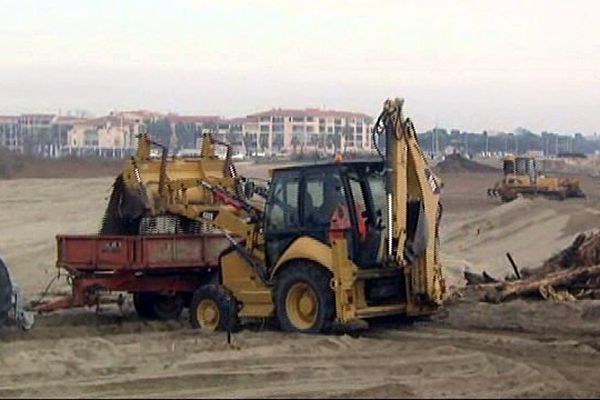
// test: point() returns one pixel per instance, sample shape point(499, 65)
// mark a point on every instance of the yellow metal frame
point(176, 186)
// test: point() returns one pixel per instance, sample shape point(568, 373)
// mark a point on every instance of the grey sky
point(466, 64)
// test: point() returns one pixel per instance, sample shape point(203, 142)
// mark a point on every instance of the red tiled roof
point(191, 119)
point(38, 116)
point(308, 112)
point(238, 120)
point(113, 120)
point(67, 120)
point(11, 119)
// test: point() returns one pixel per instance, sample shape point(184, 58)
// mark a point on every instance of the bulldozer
point(522, 178)
point(323, 244)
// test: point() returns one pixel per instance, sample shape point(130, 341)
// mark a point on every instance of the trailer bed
point(173, 264)
point(89, 253)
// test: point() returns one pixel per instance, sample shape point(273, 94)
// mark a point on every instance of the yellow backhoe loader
point(334, 243)
point(522, 178)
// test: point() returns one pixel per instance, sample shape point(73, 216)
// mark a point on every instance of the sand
point(522, 349)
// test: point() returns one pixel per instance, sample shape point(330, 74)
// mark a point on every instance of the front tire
point(213, 308)
point(304, 300)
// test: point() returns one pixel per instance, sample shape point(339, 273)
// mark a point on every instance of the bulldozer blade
point(122, 212)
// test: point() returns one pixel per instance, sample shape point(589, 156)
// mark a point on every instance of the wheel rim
point(208, 315)
point(302, 306)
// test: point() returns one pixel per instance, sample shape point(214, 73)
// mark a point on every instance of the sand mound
point(455, 163)
point(479, 242)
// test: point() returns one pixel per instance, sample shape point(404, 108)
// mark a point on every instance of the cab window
point(282, 207)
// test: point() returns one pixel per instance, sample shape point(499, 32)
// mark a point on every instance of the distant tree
point(295, 143)
point(187, 134)
point(337, 141)
point(160, 131)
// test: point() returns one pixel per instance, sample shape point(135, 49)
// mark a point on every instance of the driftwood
point(478, 279)
point(544, 285)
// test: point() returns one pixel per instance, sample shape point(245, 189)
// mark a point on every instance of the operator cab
point(321, 199)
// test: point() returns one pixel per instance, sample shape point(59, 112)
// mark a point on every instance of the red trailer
point(162, 271)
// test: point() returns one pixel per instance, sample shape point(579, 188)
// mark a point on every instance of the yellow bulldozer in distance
point(336, 242)
point(522, 178)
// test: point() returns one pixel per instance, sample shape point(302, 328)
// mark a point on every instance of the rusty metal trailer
point(161, 271)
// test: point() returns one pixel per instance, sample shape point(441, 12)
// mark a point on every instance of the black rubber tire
point(5, 294)
point(152, 306)
point(166, 308)
point(226, 303)
point(318, 278)
point(142, 302)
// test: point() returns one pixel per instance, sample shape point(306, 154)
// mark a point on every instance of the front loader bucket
point(5, 295)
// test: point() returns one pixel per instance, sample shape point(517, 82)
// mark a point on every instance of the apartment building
point(10, 133)
point(284, 130)
point(108, 136)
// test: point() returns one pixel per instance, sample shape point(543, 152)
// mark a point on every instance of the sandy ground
point(518, 349)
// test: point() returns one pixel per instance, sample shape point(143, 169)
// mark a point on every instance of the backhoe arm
point(411, 242)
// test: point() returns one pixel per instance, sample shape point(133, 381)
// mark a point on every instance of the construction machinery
point(522, 178)
point(331, 243)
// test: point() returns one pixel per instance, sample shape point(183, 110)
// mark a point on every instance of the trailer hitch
point(22, 317)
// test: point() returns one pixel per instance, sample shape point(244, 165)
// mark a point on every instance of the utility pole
point(487, 147)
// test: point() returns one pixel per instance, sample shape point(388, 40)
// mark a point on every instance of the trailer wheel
point(150, 305)
point(167, 307)
point(142, 302)
point(5, 294)
point(213, 308)
point(304, 300)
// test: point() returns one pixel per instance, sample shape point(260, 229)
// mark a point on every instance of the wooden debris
point(566, 278)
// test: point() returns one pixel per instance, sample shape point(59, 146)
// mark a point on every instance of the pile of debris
point(455, 163)
point(572, 274)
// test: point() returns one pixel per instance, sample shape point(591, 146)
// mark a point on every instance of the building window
point(298, 128)
point(278, 128)
point(321, 121)
point(310, 129)
point(310, 119)
point(265, 119)
point(278, 141)
point(338, 121)
point(264, 128)
point(278, 118)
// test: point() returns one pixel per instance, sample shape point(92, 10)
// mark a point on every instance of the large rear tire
point(5, 294)
point(304, 300)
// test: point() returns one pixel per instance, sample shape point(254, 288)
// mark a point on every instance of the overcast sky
point(470, 65)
